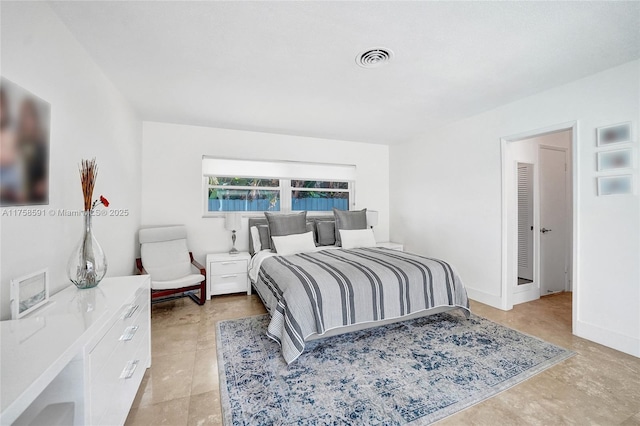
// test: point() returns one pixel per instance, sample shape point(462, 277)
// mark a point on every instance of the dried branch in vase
point(88, 175)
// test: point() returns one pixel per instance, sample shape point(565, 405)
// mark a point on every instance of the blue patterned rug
point(415, 372)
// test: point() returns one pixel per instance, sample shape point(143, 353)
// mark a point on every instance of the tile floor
point(598, 386)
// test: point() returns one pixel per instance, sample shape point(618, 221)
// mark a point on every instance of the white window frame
point(285, 187)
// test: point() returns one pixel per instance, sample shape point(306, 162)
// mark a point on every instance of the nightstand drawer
point(227, 267)
point(228, 283)
point(227, 273)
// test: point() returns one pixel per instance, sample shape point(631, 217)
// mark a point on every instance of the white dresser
point(228, 273)
point(86, 351)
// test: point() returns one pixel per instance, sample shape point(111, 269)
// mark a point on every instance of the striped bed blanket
point(311, 293)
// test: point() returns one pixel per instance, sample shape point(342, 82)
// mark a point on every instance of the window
point(314, 195)
point(259, 186)
point(243, 194)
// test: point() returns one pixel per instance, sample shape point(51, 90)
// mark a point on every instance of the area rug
point(414, 372)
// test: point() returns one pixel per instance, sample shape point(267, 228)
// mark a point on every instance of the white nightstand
point(391, 245)
point(228, 273)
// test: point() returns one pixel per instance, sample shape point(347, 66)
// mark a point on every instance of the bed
point(331, 290)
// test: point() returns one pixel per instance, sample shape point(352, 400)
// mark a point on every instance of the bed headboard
point(255, 221)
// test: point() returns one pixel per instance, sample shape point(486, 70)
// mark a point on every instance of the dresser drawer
point(229, 283)
point(123, 365)
point(228, 267)
point(131, 315)
point(108, 358)
point(125, 388)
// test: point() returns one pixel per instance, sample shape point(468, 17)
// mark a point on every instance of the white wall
point(172, 175)
point(456, 170)
point(89, 118)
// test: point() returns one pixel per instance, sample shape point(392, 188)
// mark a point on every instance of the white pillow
point(354, 238)
point(294, 243)
point(255, 236)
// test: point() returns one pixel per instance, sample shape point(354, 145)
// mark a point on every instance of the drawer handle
point(129, 332)
point(131, 311)
point(129, 369)
point(229, 263)
point(229, 276)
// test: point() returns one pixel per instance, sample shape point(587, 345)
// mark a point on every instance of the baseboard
point(609, 338)
point(486, 298)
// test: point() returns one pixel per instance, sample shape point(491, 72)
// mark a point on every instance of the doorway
point(537, 214)
point(554, 220)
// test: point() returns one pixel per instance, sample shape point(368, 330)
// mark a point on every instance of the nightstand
point(391, 245)
point(228, 273)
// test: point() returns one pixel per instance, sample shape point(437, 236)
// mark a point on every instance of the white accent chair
point(165, 256)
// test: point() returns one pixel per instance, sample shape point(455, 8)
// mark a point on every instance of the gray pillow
point(286, 224)
point(349, 220)
point(326, 233)
point(265, 238)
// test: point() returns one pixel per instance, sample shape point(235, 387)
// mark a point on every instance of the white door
point(554, 223)
point(525, 223)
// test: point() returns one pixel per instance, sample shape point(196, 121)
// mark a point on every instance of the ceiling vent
point(374, 58)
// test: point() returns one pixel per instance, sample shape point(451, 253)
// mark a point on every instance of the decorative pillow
point(311, 227)
point(255, 239)
point(294, 243)
point(326, 233)
point(265, 238)
point(349, 220)
point(355, 238)
point(286, 224)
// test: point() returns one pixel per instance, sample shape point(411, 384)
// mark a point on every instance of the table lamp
point(233, 222)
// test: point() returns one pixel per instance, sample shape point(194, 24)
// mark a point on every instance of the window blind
point(277, 169)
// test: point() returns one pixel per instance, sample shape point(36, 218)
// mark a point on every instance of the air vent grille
point(374, 58)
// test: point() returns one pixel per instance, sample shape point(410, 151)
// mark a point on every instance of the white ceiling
point(289, 67)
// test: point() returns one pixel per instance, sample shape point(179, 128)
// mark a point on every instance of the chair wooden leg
point(203, 291)
point(203, 294)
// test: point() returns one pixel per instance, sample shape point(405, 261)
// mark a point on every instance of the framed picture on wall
point(616, 133)
point(618, 159)
point(25, 122)
point(28, 293)
point(615, 185)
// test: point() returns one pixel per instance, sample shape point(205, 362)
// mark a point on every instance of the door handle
point(545, 230)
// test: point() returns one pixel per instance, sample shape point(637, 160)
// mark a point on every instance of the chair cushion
point(164, 233)
point(166, 260)
point(189, 280)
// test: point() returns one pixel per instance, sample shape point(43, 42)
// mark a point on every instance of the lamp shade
point(232, 221)
point(372, 218)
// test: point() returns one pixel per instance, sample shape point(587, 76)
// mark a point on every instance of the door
point(554, 223)
point(525, 223)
